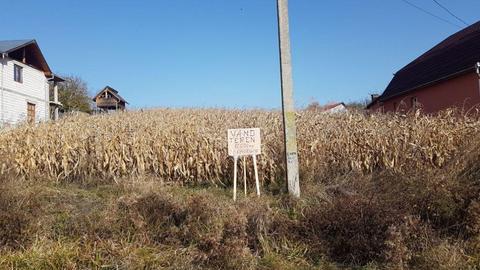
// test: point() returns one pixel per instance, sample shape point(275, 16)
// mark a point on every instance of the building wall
point(462, 92)
point(14, 96)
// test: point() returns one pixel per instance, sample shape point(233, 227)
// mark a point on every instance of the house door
point(30, 112)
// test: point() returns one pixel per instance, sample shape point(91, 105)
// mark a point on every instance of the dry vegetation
point(189, 146)
point(150, 190)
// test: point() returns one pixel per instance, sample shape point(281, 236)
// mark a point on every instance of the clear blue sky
point(224, 53)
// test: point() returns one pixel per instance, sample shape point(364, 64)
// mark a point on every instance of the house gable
point(27, 52)
point(112, 92)
point(108, 99)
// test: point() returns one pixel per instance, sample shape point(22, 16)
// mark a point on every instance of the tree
point(313, 106)
point(73, 94)
point(358, 106)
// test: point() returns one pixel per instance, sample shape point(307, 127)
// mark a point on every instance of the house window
point(381, 107)
point(30, 112)
point(414, 101)
point(18, 73)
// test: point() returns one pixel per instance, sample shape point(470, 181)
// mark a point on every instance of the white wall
point(14, 95)
point(337, 109)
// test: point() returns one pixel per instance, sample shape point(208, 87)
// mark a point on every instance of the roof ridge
point(453, 56)
point(115, 92)
point(452, 40)
point(7, 46)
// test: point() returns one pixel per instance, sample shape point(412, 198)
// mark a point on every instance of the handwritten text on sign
point(244, 142)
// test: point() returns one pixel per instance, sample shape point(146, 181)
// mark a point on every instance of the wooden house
point(108, 99)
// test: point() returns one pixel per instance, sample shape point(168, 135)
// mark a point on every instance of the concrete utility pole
point(288, 105)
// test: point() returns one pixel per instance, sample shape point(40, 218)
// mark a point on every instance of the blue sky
point(224, 53)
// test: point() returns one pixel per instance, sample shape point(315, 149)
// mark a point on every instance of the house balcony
point(106, 102)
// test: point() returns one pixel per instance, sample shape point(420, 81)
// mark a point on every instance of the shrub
point(444, 255)
point(18, 211)
point(216, 231)
point(353, 229)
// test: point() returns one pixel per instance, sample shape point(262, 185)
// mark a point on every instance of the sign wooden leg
point(256, 174)
point(245, 175)
point(235, 178)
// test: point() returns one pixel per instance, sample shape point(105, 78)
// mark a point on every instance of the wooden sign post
point(241, 143)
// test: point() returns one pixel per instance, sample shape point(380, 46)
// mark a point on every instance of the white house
point(334, 108)
point(24, 84)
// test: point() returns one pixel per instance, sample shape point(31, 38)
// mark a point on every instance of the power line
point(431, 14)
point(449, 12)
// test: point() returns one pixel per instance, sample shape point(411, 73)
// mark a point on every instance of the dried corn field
point(189, 145)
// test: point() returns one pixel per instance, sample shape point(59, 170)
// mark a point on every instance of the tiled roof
point(456, 54)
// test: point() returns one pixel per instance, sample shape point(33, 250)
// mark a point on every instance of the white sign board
point(244, 142)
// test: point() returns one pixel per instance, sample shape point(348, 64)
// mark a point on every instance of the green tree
point(73, 94)
point(357, 105)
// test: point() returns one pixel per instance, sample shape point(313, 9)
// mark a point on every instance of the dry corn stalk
point(189, 145)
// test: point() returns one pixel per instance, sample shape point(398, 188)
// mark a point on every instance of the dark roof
point(56, 78)
point(455, 55)
point(111, 90)
point(7, 46)
point(11, 48)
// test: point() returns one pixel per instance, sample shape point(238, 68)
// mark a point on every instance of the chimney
point(374, 97)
